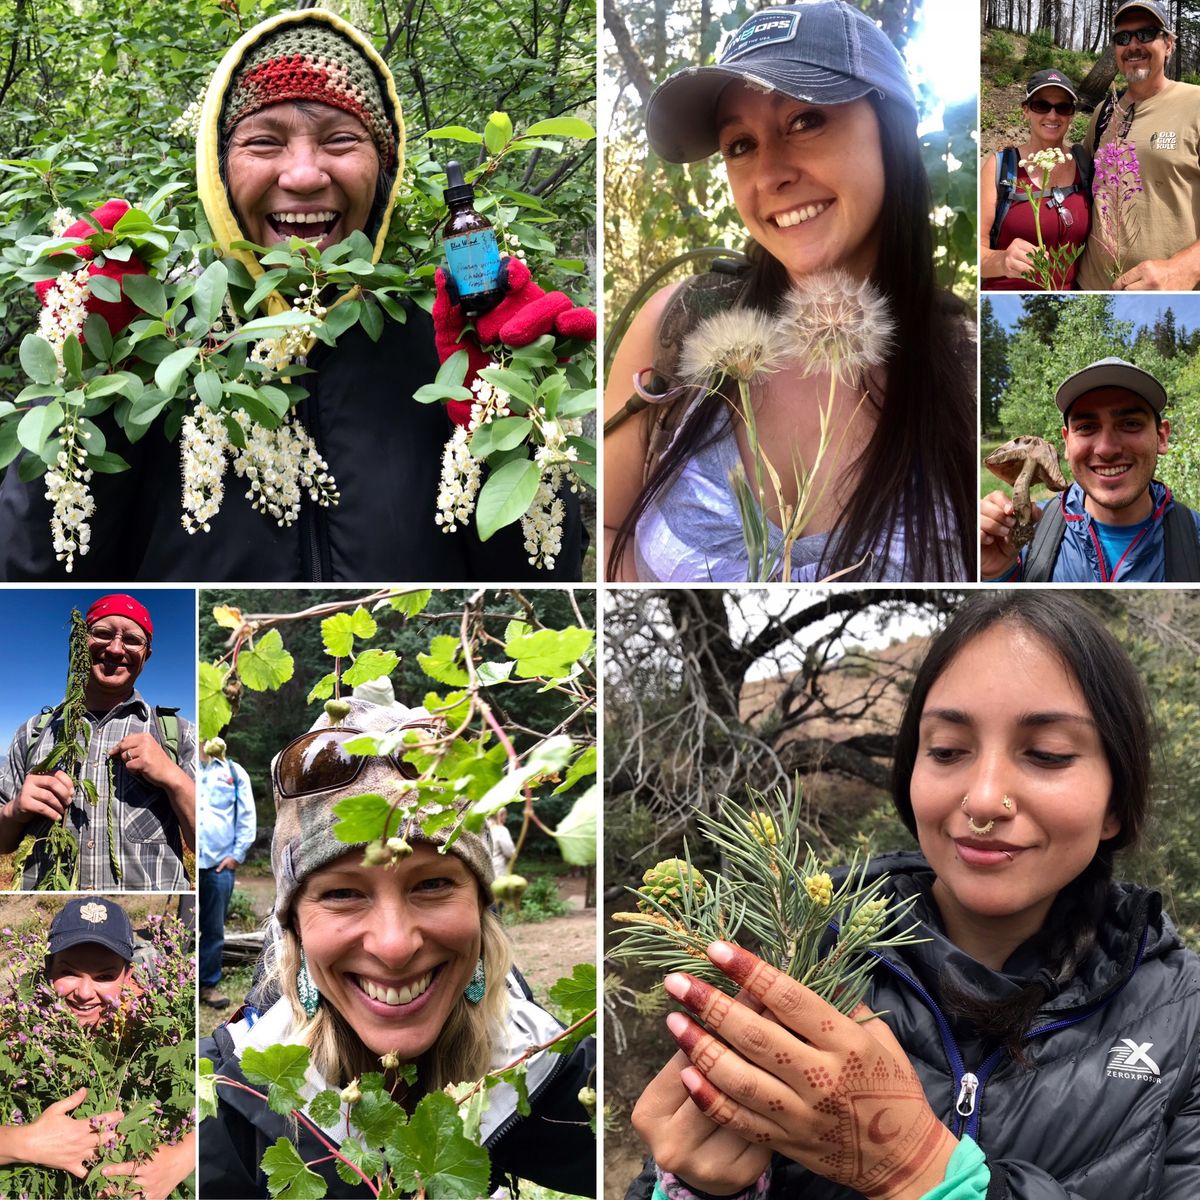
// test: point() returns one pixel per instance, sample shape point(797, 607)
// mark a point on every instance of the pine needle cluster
point(771, 896)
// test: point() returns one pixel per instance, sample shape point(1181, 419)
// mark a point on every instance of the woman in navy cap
point(811, 109)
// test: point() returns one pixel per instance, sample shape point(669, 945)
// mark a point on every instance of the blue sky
point(1141, 308)
point(35, 624)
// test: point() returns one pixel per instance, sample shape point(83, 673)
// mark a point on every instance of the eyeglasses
point(102, 635)
point(1065, 109)
point(318, 761)
point(1144, 36)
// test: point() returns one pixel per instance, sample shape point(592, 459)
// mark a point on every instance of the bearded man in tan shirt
point(1161, 117)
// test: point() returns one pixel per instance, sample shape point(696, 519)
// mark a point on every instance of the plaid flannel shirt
point(147, 845)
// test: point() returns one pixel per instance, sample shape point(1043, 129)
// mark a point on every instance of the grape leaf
point(281, 1070)
point(361, 818)
point(411, 603)
point(325, 1108)
point(339, 631)
point(267, 665)
point(549, 653)
point(585, 764)
point(440, 662)
point(576, 832)
point(287, 1176)
point(206, 1090)
point(371, 664)
point(215, 710)
point(432, 1153)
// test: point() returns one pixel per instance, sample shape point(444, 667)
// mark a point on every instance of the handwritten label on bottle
point(474, 261)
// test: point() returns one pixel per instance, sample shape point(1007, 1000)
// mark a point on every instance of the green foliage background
point(654, 210)
point(92, 91)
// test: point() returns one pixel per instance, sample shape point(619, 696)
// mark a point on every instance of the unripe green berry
point(399, 847)
point(587, 1097)
point(376, 855)
point(509, 887)
point(337, 710)
point(215, 747)
point(351, 1094)
point(390, 1061)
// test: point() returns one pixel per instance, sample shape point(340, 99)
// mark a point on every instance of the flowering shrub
point(140, 1059)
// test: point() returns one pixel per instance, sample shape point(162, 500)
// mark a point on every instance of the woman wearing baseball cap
point(378, 964)
point(1008, 226)
point(812, 111)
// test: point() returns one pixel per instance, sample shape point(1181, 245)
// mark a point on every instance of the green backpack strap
point(166, 720)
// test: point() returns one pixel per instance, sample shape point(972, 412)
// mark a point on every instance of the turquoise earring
point(475, 987)
point(310, 997)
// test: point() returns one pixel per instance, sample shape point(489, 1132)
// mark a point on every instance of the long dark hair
point(918, 471)
point(1116, 699)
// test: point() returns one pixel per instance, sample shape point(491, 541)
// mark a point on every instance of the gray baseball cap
point(1111, 372)
point(1155, 9)
point(818, 51)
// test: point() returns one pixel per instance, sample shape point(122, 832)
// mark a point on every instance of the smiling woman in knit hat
point(383, 956)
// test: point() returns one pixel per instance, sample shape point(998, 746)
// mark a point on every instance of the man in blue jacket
point(1116, 523)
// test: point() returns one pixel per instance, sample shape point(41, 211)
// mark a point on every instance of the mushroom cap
point(1005, 462)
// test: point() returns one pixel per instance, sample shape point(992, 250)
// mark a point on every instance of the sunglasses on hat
point(318, 761)
point(1146, 35)
point(1064, 109)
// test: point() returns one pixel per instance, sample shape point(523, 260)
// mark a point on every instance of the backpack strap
point(1086, 166)
point(1047, 540)
point(166, 721)
point(40, 724)
point(1180, 545)
point(1106, 112)
point(1006, 183)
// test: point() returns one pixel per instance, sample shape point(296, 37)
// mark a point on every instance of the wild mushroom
point(1022, 463)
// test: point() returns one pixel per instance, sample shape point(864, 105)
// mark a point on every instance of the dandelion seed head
point(837, 324)
point(741, 343)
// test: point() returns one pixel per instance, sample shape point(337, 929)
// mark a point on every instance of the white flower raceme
point(542, 523)
point(459, 485)
point(64, 311)
point(276, 353)
point(203, 444)
point(61, 220)
point(187, 124)
point(67, 490)
point(837, 324)
point(739, 342)
point(489, 402)
point(281, 464)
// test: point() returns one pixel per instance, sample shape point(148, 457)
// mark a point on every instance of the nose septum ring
point(977, 830)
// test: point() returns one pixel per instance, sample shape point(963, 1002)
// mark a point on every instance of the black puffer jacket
point(1108, 1107)
point(383, 448)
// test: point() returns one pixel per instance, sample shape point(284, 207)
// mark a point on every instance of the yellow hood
point(213, 195)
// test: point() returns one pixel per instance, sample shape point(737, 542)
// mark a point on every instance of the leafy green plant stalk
point(67, 754)
point(773, 897)
point(1050, 263)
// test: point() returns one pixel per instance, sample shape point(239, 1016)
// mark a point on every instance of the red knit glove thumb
point(448, 322)
point(116, 313)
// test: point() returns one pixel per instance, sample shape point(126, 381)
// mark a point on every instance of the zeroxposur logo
point(1131, 1060)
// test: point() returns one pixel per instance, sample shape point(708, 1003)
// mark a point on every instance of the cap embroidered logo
point(766, 31)
point(94, 913)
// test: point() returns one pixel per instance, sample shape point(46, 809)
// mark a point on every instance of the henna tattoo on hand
point(782, 1057)
point(827, 1026)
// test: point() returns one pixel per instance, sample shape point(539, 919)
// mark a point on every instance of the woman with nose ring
point(1063, 197)
point(1043, 1041)
point(375, 967)
point(811, 109)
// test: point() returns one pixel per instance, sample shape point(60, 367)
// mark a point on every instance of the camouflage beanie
point(311, 61)
point(304, 841)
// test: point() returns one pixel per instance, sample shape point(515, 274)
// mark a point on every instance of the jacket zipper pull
point(967, 1087)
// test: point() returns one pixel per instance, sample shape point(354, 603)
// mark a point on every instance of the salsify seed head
point(741, 343)
point(837, 323)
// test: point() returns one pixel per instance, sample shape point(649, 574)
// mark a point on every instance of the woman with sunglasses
point(1063, 214)
point(374, 967)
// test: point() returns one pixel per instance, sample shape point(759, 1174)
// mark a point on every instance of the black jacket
point(553, 1145)
point(1087, 1119)
point(384, 450)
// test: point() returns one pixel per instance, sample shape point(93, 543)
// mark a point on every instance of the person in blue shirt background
point(227, 825)
point(1117, 524)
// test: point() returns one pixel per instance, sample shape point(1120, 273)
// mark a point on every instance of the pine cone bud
point(819, 888)
point(763, 828)
point(667, 880)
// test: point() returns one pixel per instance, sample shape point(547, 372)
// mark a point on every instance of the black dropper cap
point(456, 187)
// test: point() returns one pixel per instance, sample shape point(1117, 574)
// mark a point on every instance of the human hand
point(228, 863)
point(64, 1142)
point(158, 1176)
point(41, 796)
point(1158, 275)
point(997, 554)
point(145, 758)
point(837, 1096)
point(685, 1142)
point(1017, 260)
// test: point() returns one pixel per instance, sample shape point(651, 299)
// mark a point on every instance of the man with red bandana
point(133, 837)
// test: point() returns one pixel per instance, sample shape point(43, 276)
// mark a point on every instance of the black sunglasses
point(318, 761)
point(1143, 35)
point(1065, 109)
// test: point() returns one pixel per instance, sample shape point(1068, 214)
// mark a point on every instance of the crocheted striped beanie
point(311, 61)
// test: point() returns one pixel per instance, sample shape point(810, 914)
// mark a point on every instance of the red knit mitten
point(523, 316)
point(117, 313)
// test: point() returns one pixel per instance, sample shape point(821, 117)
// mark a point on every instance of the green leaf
point(40, 364)
point(287, 1176)
point(281, 1070)
point(127, 384)
point(369, 1162)
point(432, 1153)
point(340, 318)
point(454, 707)
point(172, 369)
point(325, 1107)
point(208, 388)
point(376, 1114)
point(441, 663)
point(490, 673)
point(371, 664)
point(411, 603)
point(339, 631)
point(267, 666)
point(517, 386)
point(215, 710)
point(146, 292)
point(371, 318)
point(105, 288)
point(362, 819)
point(266, 285)
point(585, 764)
point(501, 433)
point(210, 292)
point(545, 758)
point(98, 337)
point(549, 653)
point(575, 995)
point(506, 496)
point(323, 688)
point(576, 832)
point(455, 133)
point(73, 358)
point(38, 426)
point(206, 1090)
point(497, 133)
point(451, 373)
point(571, 127)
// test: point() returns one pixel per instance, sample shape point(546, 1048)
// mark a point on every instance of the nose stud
point(977, 830)
point(1007, 804)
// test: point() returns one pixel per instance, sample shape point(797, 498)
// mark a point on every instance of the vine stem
point(314, 1129)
